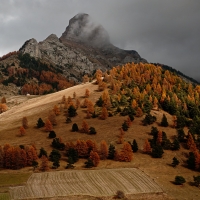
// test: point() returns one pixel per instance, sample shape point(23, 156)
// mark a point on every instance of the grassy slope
point(159, 169)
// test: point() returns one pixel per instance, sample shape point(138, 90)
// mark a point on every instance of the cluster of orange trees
point(12, 157)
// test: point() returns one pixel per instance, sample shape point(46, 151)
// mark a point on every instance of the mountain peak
point(83, 29)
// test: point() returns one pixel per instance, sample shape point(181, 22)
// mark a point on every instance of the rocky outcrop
point(83, 47)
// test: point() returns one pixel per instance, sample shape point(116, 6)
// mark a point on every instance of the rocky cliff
point(83, 47)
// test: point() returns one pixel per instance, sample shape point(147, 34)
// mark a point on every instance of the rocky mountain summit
point(83, 47)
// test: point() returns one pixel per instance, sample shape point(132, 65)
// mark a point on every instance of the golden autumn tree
point(82, 148)
point(139, 112)
point(44, 163)
point(92, 145)
point(56, 110)
point(147, 147)
point(22, 131)
point(3, 100)
point(190, 143)
point(48, 125)
point(103, 152)
point(94, 156)
point(90, 107)
point(25, 122)
point(159, 138)
point(126, 154)
point(87, 93)
point(85, 127)
point(52, 118)
point(3, 107)
point(106, 99)
point(104, 113)
point(121, 136)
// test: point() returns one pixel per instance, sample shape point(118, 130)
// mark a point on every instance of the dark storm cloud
point(161, 31)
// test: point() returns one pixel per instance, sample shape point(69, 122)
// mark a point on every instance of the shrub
point(179, 180)
point(196, 180)
point(92, 131)
point(175, 162)
point(120, 194)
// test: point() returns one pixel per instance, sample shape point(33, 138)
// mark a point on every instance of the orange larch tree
point(48, 125)
point(94, 156)
point(44, 163)
point(190, 143)
point(22, 131)
point(56, 110)
point(52, 118)
point(159, 138)
point(82, 148)
point(25, 122)
point(85, 127)
point(104, 113)
point(147, 147)
point(87, 93)
point(103, 152)
point(92, 145)
point(126, 154)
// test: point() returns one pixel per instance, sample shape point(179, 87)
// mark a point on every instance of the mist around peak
point(82, 28)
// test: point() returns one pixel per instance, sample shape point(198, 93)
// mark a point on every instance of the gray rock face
point(83, 47)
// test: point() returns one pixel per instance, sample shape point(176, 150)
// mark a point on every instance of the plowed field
point(85, 182)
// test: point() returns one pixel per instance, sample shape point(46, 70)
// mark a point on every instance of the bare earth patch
point(100, 183)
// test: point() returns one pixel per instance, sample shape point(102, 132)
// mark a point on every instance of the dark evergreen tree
point(56, 164)
point(89, 163)
point(196, 180)
point(40, 123)
point(92, 131)
point(175, 162)
point(34, 164)
point(191, 161)
point(99, 102)
point(111, 152)
point(179, 180)
point(72, 155)
point(75, 128)
point(52, 134)
point(131, 117)
point(149, 119)
point(147, 106)
point(176, 144)
point(157, 151)
point(70, 163)
point(42, 152)
point(180, 122)
point(166, 144)
point(72, 111)
point(54, 156)
point(68, 120)
point(134, 146)
point(164, 121)
point(125, 126)
point(57, 144)
point(181, 135)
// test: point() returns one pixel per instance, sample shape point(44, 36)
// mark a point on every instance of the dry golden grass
point(159, 169)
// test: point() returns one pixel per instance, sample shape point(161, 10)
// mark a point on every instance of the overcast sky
point(163, 31)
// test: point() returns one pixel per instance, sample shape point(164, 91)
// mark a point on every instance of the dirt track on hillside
point(36, 105)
